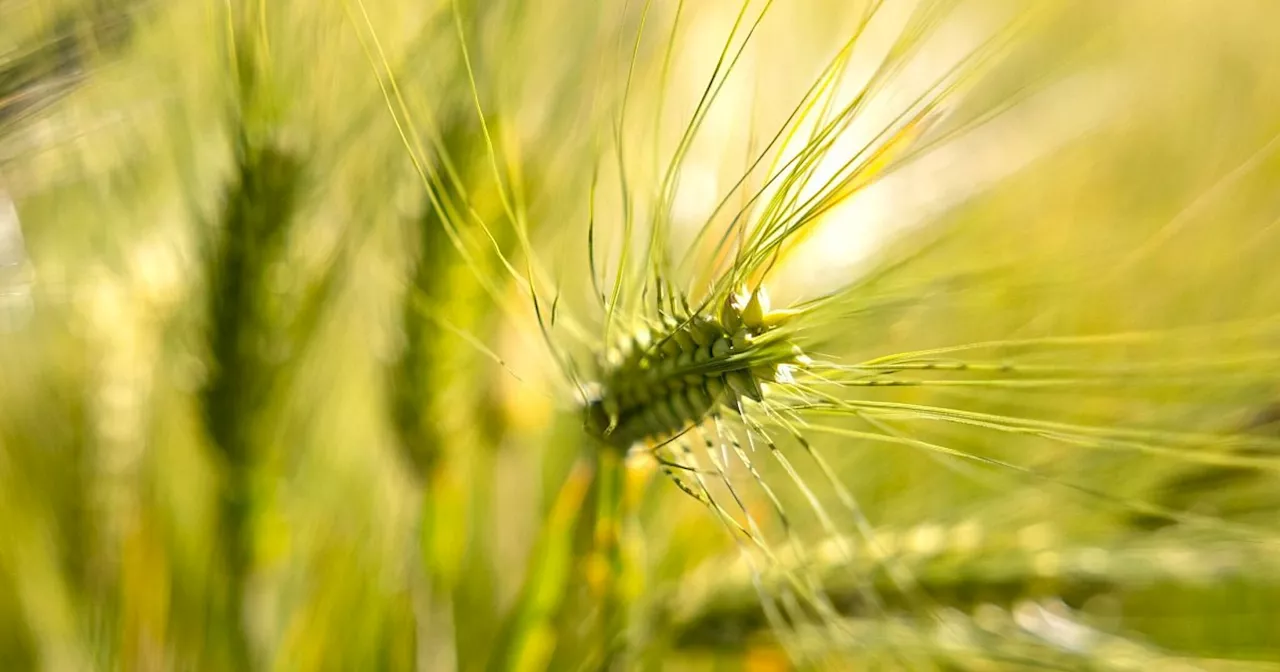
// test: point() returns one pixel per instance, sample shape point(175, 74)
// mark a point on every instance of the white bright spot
point(697, 194)
point(948, 175)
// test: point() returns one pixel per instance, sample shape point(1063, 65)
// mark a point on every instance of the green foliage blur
point(270, 397)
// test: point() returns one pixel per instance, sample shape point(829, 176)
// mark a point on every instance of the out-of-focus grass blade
point(531, 638)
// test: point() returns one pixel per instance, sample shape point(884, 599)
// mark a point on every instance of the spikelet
point(674, 376)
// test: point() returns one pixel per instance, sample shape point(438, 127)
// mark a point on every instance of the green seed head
point(684, 369)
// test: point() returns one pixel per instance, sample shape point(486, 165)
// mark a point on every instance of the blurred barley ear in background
point(301, 305)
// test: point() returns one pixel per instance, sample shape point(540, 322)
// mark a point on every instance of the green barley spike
point(674, 376)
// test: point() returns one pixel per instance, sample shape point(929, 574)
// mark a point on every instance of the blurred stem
point(531, 637)
point(415, 385)
point(605, 566)
point(443, 413)
point(257, 212)
point(46, 580)
point(259, 206)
